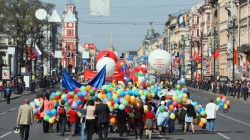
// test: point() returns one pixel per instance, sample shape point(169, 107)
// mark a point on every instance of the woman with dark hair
point(46, 106)
point(122, 117)
point(138, 117)
point(90, 118)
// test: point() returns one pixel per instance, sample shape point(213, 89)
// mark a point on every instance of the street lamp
point(214, 36)
point(201, 46)
point(191, 55)
point(234, 19)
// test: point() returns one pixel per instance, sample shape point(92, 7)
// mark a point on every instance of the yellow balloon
point(89, 97)
point(99, 96)
point(203, 120)
point(225, 106)
point(132, 98)
point(196, 120)
point(140, 92)
point(115, 96)
point(129, 83)
point(134, 88)
point(175, 98)
point(185, 95)
point(79, 114)
point(228, 102)
point(51, 120)
point(172, 116)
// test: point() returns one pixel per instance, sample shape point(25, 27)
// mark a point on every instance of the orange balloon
point(184, 100)
point(171, 107)
point(149, 95)
point(201, 124)
point(112, 120)
point(88, 88)
point(104, 96)
point(127, 97)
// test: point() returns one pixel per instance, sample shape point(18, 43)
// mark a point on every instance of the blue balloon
point(117, 100)
point(143, 97)
point(122, 93)
point(195, 103)
point(53, 94)
point(48, 113)
point(65, 99)
point(182, 80)
point(84, 62)
point(221, 104)
point(198, 110)
point(165, 114)
point(121, 107)
point(78, 102)
point(109, 94)
point(94, 98)
point(79, 94)
point(53, 111)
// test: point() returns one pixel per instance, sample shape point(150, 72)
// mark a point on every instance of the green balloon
point(125, 102)
point(46, 118)
point(116, 106)
point(184, 84)
point(83, 88)
point(178, 86)
point(179, 100)
point(202, 113)
point(131, 115)
point(162, 109)
point(153, 94)
point(66, 104)
point(171, 83)
point(51, 97)
point(218, 99)
point(58, 93)
point(72, 93)
point(177, 92)
point(152, 87)
point(146, 93)
point(109, 98)
point(91, 92)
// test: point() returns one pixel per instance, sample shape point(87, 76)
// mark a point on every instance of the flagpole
point(233, 47)
point(214, 51)
point(201, 55)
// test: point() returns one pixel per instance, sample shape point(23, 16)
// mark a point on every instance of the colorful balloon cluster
point(224, 103)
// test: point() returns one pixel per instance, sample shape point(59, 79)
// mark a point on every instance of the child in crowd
point(73, 120)
point(150, 117)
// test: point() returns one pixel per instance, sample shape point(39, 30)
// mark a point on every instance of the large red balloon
point(106, 53)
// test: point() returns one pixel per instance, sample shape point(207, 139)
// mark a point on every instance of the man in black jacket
point(101, 112)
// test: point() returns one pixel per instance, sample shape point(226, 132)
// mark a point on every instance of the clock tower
point(70, 37)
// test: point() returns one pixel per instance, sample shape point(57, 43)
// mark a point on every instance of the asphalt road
point(232, 125)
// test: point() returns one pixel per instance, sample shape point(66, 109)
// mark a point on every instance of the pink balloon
point(175, 103)
point(70, 101)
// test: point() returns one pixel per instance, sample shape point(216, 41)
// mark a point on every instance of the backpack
point(61, 111)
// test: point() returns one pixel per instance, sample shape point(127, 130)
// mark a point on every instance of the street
point(232, 125)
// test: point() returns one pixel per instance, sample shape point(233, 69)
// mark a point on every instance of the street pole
point(233, 47)
point(191, 43)
point(201, 54)
point(179, 60)
point(214, 51)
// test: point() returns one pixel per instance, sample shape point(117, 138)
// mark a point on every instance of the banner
point(88, 75)
point(5, 73)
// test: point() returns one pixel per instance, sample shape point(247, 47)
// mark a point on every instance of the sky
point(126, 37)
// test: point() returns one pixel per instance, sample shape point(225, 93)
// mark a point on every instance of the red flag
point(29, 52)
point(216, 53)
point(196, 56)
point(247, 60)
point(235, 57)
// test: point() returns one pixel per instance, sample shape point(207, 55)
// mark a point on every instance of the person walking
point(138, 117)
point(150, 117)
point(189, 116)
point(61, 110)
point(25, 119)
point(7, 92)
point(73, 116)
point(211, 109)
point(101, 112)
point(90, 118)
point(46, 106)
point(245, 91)
point(122, 117)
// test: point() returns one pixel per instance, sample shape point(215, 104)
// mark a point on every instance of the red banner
point(88, 74)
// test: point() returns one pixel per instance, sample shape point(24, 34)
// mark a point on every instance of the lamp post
point(191, 55)
point(183, 55)
point(201, 37)
point(234, 19)
point(214, 36)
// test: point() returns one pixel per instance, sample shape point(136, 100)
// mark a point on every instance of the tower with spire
point(70, 35)
point(111, 47)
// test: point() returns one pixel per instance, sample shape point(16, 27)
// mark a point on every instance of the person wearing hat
point(25, 119)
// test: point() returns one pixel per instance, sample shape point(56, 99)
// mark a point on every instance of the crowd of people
point(236, 89)
point(97, 118)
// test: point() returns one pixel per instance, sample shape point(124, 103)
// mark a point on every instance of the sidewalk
point(14, 96)
point(241, 99)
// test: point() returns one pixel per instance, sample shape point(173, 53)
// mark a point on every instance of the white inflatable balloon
point(110, 65)
point(159, 60)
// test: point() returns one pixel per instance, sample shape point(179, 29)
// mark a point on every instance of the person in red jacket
point(73, 119)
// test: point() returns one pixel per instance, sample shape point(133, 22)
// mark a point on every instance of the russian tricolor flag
point(51, 54)
point(37, 52)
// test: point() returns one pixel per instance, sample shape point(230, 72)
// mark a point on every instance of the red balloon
point(65, 91)
point(106, 53)
point(220, 96)
point(179, 105)
point(112, 103)
point(77, 90)
point(69, 96)
point(127, 109)
point(79, 107)
point(56, 97)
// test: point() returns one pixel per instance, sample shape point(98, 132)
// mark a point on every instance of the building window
point(70, 32)
point(198, 33)
point(197, 20)
point(208, 16)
